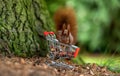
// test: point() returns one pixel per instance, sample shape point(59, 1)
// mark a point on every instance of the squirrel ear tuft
point(68, 27)
point(64, 27)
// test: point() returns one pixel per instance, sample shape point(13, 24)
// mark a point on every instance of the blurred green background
point(98, 32)
point(98, 22)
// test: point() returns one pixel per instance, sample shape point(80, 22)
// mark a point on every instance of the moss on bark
point(22, 23)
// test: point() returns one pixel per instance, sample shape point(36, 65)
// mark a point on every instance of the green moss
point(22, 22)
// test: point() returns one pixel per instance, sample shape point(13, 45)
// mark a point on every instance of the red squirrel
point(66, 28)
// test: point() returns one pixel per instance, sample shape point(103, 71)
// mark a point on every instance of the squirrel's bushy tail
point(66, 15)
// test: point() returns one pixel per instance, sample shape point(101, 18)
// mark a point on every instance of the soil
point(37, 66)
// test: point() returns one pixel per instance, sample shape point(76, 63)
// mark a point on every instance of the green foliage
point(112, 64)
point(106, 60)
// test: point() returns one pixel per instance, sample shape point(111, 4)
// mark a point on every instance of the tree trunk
point(22, 23)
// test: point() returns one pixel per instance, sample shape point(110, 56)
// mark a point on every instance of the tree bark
point(22, 23)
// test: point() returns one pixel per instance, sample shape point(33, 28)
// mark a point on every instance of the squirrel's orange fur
point(64, 18)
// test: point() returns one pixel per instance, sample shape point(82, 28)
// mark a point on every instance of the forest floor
point(37, 66)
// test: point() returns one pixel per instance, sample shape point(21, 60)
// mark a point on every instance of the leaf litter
point(42, 66)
